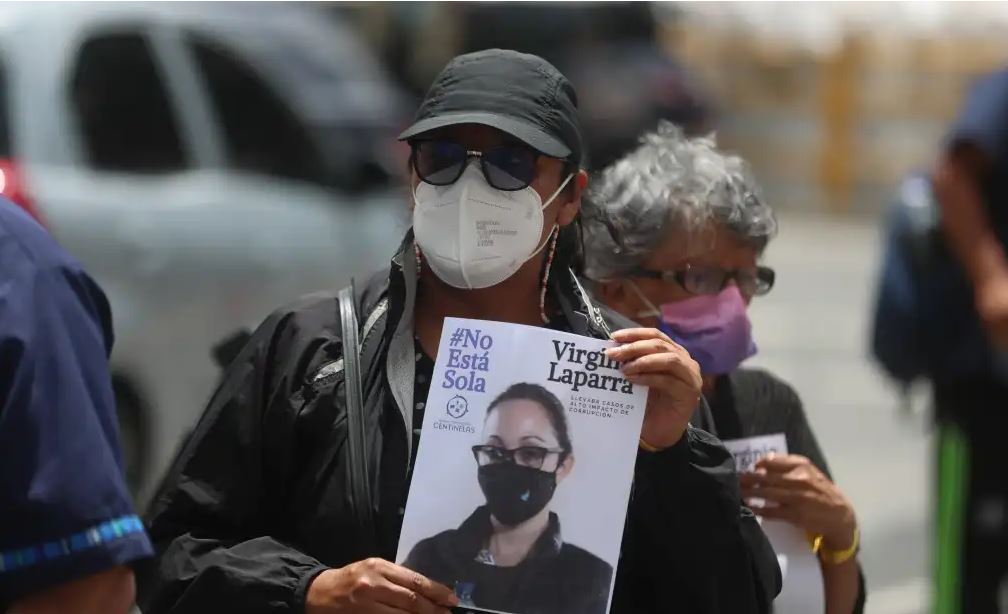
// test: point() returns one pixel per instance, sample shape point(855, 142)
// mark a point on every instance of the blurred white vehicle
point(207, 164)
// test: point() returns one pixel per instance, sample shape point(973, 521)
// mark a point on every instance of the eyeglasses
point(526, 456)
point(508, 168)
point(712, 279)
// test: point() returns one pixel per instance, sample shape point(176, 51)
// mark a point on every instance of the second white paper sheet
point(802, 592)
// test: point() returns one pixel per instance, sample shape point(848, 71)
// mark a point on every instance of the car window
point(126, 120)
point(261, 133)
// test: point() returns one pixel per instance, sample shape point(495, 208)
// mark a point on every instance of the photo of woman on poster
point(509, 554)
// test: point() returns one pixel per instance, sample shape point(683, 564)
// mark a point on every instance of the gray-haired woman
point(673, 234)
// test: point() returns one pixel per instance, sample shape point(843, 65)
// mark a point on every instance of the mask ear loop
point(545, 279)
point(416, 246)
point(655, 312)
point(563, 185)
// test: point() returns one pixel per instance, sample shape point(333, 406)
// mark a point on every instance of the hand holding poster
point(523, 475)
point(802, 592)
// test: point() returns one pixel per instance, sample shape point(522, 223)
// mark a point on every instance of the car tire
point(133, 434)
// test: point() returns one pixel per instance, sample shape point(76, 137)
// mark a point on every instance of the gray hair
point(669, 184)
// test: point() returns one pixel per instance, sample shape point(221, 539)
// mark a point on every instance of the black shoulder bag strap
point(359, 478)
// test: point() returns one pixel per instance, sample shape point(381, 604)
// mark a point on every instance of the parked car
point(206, 163)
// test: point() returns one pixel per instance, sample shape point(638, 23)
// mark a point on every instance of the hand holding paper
point(378, 586)
point(650, 358)
point(803, 590)
point(797, 492)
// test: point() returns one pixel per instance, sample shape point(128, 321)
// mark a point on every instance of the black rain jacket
point(257, 502)
point(555, 578)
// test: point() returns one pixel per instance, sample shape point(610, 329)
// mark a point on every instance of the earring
point(545, 279)
point(416, 252)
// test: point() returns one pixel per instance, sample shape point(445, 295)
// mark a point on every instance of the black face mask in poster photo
point(515, 493)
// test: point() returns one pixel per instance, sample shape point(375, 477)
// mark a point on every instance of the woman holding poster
point(508, 556)
point(676, 229)
point(260, 512)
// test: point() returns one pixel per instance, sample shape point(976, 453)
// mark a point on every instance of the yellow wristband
point(648, 447)
point(814, 542)
point(838, 557)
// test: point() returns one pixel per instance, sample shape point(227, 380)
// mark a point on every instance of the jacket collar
point(475, 531)
point(399, 360)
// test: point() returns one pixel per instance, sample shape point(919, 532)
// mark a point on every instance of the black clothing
point(753, 402)
point(422, 374)
point(555, 578)
point(972, 544)
point(972, 492)
point(257, 504)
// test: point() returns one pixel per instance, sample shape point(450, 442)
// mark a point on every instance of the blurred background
point(209, 162)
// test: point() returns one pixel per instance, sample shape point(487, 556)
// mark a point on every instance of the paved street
point(812, 330)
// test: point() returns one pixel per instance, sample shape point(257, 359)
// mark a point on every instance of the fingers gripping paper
point(523, 473)
point(802, 592)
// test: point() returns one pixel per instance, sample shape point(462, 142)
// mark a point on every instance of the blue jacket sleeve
point(65, 511)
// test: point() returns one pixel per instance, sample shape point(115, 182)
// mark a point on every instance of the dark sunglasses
point(507, 168)
point(712, 279)
point(526, 456)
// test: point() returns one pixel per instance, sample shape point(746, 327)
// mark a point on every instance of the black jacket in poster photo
point(257, 502)
point(555, 578)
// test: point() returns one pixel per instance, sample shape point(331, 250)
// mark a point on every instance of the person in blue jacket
point(67, 528)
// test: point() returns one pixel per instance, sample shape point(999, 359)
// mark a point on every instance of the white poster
point(802, 592)
point(523, 475)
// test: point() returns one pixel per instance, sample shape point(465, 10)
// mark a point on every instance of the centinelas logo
point(457, 407)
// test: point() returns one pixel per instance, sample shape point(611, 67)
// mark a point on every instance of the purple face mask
point(714, 329)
